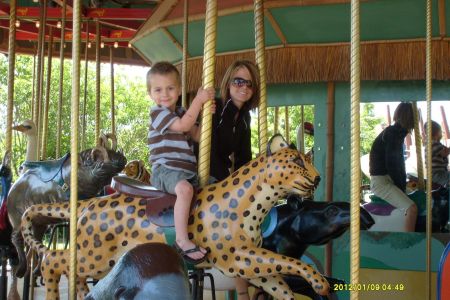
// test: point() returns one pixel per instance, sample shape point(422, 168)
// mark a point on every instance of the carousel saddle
point(160, 205)
point(48, 170)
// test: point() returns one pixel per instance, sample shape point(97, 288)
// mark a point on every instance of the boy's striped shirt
point(169, 148)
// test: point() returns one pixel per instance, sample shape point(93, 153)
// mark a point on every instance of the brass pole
point(83, 116)
point(113, 106)
point(428, 78)
point(261, 62)
point(97, 80)
point(209, 64)
point(40, 71)
point(33, 87)
point(275, 119)
point(76, 41)
point(185, 48)
point(11, 67)
point(47, 96)
point(418, 140)
point(286, 123)
point(355, 165)
point(61, 80)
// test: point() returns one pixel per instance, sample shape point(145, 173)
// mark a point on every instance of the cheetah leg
point(275, 286)
point(253, 262)
point(82, 288)
point(53, 266)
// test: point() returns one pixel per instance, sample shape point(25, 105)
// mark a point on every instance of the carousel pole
point(47, 96)
point(113, 105)
point(418, 140)
point(275, 119)
point(40, 72)
point(301, 131)
point(330, 168)
point(428, 78)
point(185, 48)
point(11, 67)
point(83, 116)
point(286, 123)
point(97, 80)
point(76, 41)
point(355, 165)
point(445, 125)
point(209, 63)
point(33, 85)
point(260, 57)
point(61, 79)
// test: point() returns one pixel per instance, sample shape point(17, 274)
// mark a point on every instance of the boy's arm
point(195, 133)
point(185, 123)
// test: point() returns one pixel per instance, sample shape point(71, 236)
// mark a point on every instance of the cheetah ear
point(276, 143)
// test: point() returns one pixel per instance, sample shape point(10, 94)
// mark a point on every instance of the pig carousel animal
point(225, 220)
point(48, 182)
point(148, 271)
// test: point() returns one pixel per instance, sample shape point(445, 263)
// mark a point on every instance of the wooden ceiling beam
point(122, 24)
point(275, 26)
point(173, 39)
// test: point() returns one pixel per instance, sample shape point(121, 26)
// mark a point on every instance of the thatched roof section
point(399, 60)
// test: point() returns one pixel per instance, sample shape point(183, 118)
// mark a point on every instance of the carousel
point(332, 55)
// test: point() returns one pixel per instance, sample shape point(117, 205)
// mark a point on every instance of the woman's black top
point(231, 134)
point(386, 155)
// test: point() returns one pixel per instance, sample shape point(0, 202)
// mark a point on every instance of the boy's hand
point(203, 95)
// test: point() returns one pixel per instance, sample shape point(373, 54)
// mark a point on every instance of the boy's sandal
point(184, 254)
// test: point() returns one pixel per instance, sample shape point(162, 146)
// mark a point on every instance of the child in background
point(174, 166)
point(439, 154)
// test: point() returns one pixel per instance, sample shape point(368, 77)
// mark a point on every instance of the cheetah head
point(290, 169)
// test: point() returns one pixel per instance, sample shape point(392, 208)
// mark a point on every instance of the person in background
point(387, 164)
point(439, 155)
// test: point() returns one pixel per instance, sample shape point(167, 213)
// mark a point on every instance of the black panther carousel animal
point(148, 271)
point(48, 182)
point(301, 223)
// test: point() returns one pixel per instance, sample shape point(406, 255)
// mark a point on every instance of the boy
point(439, 155)
point(171, 155)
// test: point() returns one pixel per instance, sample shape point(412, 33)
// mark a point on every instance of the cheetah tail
point(41, 212)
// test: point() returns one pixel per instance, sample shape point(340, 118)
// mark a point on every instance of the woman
point(387, 164)
point(231, 138)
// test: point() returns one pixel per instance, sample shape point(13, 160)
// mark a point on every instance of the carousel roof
point(306, 40)
point(119, 21)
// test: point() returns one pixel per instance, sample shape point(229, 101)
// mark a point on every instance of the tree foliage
point(131, 104)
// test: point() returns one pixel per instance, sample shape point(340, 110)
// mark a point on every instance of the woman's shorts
point(383, 187)
point(165, 179)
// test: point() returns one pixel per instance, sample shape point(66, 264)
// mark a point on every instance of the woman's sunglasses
point(240, 82)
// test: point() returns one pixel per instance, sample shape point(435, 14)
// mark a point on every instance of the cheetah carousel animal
point(226, 212)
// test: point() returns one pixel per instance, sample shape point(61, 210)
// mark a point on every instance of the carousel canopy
point(307, 41)
point(119, 21)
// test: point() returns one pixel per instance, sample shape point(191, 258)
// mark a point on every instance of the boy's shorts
point(165, 179)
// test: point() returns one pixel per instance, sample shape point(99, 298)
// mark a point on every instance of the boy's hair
point(162, 68)
point(404, 115)
point(435, 128)
point(229, 74)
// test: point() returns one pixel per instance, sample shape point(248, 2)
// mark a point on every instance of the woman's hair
point(435, 128)
point(404, 115)
point(162, 68)
point(229, 74)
